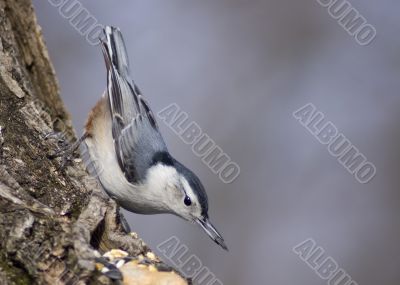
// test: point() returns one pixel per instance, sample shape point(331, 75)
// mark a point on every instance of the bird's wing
point(135, 132)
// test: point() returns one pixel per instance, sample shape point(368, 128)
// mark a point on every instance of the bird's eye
point(187, 201)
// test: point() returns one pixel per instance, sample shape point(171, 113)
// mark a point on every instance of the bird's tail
point(125, 98)
point(122, 92)
point(114, 45)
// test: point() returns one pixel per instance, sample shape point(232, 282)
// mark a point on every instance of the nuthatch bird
point(122, 136)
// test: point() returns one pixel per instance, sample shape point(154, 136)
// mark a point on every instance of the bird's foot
point(65, 150)
point(123, 222)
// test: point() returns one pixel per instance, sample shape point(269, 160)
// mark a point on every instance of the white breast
point(136, 198)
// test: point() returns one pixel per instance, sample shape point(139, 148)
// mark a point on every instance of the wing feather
point(134, 128)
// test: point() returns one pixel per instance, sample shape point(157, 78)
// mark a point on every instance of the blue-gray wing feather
point(134, 128)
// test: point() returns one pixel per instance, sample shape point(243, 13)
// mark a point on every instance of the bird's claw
point(124, 223)
point(65, 151)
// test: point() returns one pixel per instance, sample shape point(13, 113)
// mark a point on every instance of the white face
point(172, 190)
point(168, 191)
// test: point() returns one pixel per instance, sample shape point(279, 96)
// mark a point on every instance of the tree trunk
point(53, 223)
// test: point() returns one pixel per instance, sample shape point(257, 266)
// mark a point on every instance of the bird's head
point(182, 192)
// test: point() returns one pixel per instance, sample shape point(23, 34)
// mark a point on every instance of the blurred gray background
point(239, 69)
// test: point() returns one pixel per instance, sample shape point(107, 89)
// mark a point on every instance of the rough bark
point(51, 221)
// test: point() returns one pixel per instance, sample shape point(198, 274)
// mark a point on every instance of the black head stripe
point(196, 185)
point(162, 157)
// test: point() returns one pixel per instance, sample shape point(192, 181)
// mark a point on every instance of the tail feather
point(125, 99)
point(117, 50)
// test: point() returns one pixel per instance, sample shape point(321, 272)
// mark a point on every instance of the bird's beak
point(212, 232)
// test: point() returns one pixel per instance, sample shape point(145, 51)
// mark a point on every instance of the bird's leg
point(123, 221)
point(65, 151)
point(59, 136)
